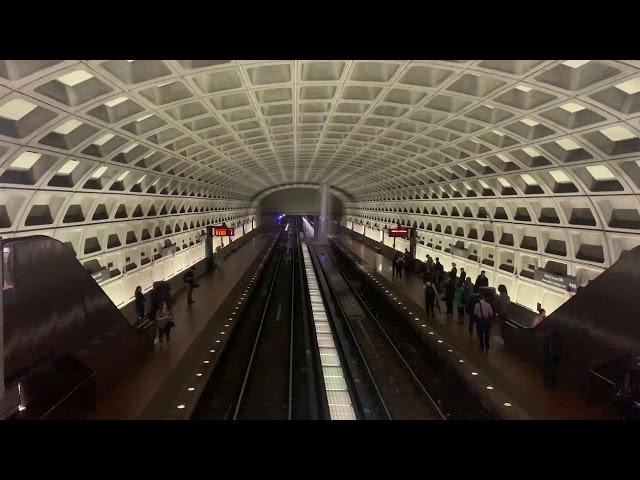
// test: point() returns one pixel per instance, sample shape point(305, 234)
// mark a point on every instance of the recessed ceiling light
point(16, 109)
point(630, 87)
point(123, 175)
point(575, 63)
point(617, 133)
point(129, 148)
point(503, 157)
point(75, 78)
point(68, 167)
point(98, 173)
point(489, 106)
point(166, 83)
point(572, 107)
point(559, 176)
point(600, 172)
point(144, 118)
point(528, 179)
point(67, 127)
point(484, 184)
point(482, 163)
point(25, 161)
point(104, 139)
point(498, 132)
point(524, 88)
point(116, 101)
point(568, 144)
point(530, 122)
point(503, 182)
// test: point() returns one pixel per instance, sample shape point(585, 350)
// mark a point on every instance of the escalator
point(55, 311)
point(598, 326)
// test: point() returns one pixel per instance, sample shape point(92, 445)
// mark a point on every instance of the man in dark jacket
point(454, 272)
point(481, 281)
point(407, 261)
point(189, 280)
point(430, 298)
point(438, 270)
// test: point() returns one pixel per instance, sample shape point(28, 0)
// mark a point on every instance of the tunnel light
point(572, 107)
point(198, 374)
point(600, 172)
point(575, 63)
point(16, 109)
point(489, 387)
point(67, 127)
point(75, 78)
point(474, 373)
point(191, 389)
point(25, 161)
point(507, 404)
point(181, 406)
point(630, 87)
point(99, 172)
point(568, 144)
point(68, 167)
point(115, 101)
point(104, 139)
point(559, 176)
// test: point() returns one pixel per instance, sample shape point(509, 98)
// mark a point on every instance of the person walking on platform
point(463, 275)
point(189, 280)
point(139, 303)
point(430, 298)
point(449, 293)
point(483, 313)
point(407, 262)
point(164, 323)
point(400, 266)
point(394, 265)
point(460, 302)
point(481, 281)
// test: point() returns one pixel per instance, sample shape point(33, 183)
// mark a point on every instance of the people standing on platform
point(189, 280)
point(481, 281)
point(164, 323)
point(538, 319)
point(429, 263)
point(430, 298)
point(463, 275)
point(459, 298)
point(139, 303)
point(454, 271)
point(449, 293)
point(484, 314)
point(504, 301)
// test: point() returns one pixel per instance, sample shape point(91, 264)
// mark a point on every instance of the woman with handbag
point(164, 323)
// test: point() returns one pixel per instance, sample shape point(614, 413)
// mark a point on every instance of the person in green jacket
point(460, 301)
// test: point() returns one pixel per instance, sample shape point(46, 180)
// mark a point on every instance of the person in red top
point(484, 314)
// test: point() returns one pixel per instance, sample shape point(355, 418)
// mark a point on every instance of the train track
point(402, 392)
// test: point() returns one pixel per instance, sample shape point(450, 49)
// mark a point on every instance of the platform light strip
point(338, 397)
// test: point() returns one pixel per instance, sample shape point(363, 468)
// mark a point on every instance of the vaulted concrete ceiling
point(224, 131)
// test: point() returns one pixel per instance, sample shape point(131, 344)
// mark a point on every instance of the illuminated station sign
point(400, 232)
point(223, 232)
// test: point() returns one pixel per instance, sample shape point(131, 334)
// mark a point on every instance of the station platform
point(516, 377)
point(132, 394)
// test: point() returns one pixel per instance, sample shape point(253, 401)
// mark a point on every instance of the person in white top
point(484, 314)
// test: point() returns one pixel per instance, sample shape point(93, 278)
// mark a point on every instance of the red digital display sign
point(399, 232)
point(223, 232)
